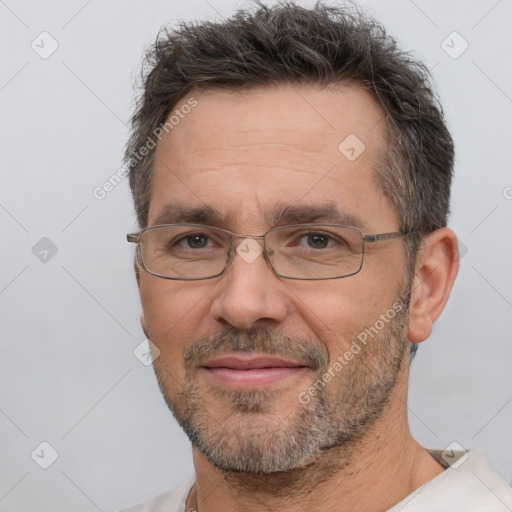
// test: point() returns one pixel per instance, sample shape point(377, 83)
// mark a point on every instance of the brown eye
point(197, 241)
point(318, 241)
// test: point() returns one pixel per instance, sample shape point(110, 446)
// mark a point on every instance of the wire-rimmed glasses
point(298, 251)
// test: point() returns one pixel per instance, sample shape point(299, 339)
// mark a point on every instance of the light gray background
point(69, 325)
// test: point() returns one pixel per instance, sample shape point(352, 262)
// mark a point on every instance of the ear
point(436, 267)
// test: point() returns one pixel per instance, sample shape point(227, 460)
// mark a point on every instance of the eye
point(317, 240)
point(194, 241)
point(332, 239)
point(198, 241)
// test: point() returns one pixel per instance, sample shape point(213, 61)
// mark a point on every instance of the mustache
point(307, 351)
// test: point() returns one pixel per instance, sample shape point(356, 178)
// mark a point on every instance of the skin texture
point(243, 154)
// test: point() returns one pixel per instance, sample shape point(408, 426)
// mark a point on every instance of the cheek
point(332, 311)
point(171, 310)
point(336, 312)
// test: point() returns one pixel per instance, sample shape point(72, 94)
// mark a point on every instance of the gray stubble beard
point(254, 438)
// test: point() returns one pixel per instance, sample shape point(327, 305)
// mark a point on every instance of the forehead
point(242, 153)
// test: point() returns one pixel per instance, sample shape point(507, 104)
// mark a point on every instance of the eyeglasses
point(299, 251)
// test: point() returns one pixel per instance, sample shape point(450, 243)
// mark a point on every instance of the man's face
point(239, 352)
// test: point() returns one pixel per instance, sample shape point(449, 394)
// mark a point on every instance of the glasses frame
point(366, 237)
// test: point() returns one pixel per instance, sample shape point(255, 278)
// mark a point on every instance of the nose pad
point(249, 250)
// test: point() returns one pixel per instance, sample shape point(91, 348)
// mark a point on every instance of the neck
point(370, 475)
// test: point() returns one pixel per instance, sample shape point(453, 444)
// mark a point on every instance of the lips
point(245, 370)
point(240, 362)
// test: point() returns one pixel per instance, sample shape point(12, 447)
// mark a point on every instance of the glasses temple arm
point(383, 236)
point(133, 238)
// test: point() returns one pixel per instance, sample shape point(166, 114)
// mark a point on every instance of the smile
point(246, 371)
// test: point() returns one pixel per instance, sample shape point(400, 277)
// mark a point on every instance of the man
point(291, 174)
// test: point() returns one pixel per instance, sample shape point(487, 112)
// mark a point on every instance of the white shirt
point(470, 484)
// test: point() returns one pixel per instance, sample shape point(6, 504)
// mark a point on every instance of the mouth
point(251, 371)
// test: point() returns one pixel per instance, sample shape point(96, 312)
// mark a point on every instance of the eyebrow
point(304, 214)
point(180, 214)
point(280, 215)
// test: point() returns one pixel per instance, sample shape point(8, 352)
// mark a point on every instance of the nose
point(250, 294)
